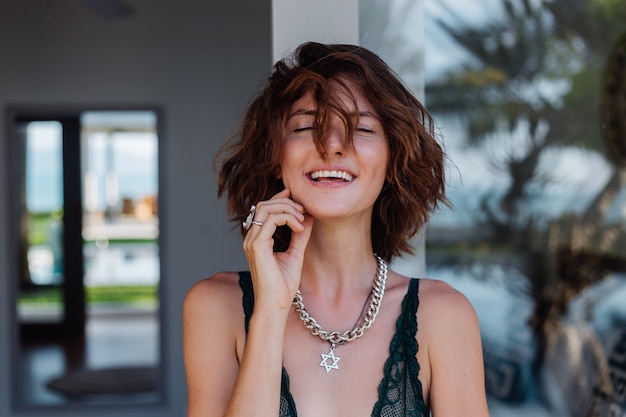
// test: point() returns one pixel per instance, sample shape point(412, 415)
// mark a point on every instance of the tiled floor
point(113, 338)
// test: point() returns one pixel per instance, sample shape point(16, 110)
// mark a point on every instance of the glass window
point(394, 31)
point(42, 222)
point(529, 97)
point(87, 191)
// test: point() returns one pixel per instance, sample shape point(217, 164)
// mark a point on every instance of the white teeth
point(331, 174)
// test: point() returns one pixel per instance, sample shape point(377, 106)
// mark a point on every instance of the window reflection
point(120, 182)
point(42, 223)
point(522, 92)
point(87, 196)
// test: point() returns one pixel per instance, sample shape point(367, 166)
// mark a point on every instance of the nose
point(336, 141)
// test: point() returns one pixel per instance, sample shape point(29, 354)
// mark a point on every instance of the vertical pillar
point(298, 21)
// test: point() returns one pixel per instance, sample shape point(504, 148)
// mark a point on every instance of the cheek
point(292, 160)
point(286, 172)
point(380, 157)
point(386, 152)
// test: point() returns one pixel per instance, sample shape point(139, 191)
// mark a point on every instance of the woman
point(334, 170)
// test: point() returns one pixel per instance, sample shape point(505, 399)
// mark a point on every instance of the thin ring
point(258, 223)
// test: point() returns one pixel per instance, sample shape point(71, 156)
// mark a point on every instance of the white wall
point(298, 21)
point(200, 61)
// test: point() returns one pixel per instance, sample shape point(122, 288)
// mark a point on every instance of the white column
point(298, 21)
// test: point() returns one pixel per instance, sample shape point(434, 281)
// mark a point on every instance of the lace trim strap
point(400, 391)
point(245, 282)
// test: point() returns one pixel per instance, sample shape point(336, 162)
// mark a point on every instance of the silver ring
point(250, 219)
point(258, 223)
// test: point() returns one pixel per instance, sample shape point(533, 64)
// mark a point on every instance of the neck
point(339, 258)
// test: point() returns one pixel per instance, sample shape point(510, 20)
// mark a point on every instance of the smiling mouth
point(325, 176)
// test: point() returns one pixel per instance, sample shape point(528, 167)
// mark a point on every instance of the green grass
point(39, 225)
point(109, 295)
point(122, 294)
point(41, 298)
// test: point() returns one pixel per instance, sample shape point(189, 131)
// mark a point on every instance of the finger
point(266, 208)
point(299, 239)
point(282, 205)
point(282, 194)
point(262, 235)
point(284, 197)
point(274, 220)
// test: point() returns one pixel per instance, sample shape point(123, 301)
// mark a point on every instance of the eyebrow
point(298, 112)
point(307, 112)
point(367, 113)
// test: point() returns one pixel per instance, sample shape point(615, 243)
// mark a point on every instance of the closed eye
point(364, 129)
point(303, 128)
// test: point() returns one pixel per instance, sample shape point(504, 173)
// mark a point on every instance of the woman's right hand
point(276, 275)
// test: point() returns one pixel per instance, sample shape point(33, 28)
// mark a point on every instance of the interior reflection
point(88, 289)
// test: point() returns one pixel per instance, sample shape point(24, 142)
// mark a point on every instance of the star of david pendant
point(330, 357)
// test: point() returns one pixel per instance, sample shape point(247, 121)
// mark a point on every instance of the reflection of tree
point(539, 71)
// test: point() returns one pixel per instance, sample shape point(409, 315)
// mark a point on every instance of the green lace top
point(400, 391)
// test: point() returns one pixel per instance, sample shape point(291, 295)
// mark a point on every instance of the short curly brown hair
point(248, 165)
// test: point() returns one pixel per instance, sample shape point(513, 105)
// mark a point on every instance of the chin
point(332, 213)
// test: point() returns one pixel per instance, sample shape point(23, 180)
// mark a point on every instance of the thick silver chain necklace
point(329, 360)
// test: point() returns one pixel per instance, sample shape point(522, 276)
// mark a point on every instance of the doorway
point(85, 226)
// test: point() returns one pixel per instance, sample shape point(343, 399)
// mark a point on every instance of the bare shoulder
point(221, 282)
point(213, 336)
point(440, 296)
point(443, 308)
point(219, 294)
point(450, 335)
point(213, 320)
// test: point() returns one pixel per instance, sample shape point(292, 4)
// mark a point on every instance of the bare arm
point(213, 333)
point(224, 377)
point(211, 311)
point(455, 354)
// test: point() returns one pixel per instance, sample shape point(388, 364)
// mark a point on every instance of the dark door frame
point(72, 288)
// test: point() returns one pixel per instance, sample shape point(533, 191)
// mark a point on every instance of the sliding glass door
point(86, 236)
